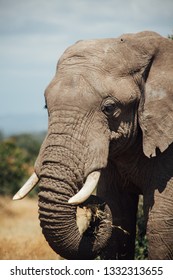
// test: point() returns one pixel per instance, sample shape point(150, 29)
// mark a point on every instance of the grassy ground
point(21, 237)
point(20, 232)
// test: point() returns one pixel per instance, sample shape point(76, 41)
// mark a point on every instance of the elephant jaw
point(87, 189)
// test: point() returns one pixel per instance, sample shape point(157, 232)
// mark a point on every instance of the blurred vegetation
point(170, 36)
point(17, 157)
point(141, 252)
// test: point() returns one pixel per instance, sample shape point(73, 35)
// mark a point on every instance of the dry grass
point(20, 232)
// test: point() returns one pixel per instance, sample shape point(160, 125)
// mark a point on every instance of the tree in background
point(17, 157)
point(1, 136)
point(13, 167)
point(30, 143)
point(170, 36)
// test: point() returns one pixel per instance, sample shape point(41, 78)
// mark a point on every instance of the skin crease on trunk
point(110, 108)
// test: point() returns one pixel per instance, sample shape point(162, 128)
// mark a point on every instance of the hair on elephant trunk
point(59, 223)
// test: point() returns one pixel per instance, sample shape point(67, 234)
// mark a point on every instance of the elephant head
point(105, 94)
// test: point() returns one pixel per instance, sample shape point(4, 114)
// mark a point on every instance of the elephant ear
point(156, 107)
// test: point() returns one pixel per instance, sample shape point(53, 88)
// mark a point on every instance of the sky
point(35, 33)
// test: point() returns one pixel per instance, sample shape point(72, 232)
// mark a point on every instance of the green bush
point(17, 157)
point(13, 167)
point(141, 252)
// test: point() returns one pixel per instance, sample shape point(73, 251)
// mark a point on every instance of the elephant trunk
point(57, 217)
point(59, 181)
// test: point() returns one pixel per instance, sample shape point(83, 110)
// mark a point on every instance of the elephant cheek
point(97, 154)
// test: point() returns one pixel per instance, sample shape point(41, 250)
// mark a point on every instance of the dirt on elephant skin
point(20, 233)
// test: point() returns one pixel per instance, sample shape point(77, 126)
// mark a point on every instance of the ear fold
point(156, 107)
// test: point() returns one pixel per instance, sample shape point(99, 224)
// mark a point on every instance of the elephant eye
point(109, 107)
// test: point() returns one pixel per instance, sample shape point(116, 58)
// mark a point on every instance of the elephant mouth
point(90, 215)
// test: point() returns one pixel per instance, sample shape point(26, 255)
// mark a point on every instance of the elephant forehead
point(88, 89)
point(115, 56)
point(73, 91)
point(103, 54)
point(88, 48)
point(92, 70)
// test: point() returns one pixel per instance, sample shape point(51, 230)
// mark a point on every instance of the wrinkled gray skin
point(110, 108)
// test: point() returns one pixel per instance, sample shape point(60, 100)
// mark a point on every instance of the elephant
point(109, 140)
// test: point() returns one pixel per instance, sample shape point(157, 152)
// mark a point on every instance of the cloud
point(37, 29)
point(80, 16)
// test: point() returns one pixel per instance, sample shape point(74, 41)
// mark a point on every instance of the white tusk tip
point(71, 201)
point(17, 197)
point(27, 187)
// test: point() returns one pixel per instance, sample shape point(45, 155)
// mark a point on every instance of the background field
point(20, 232)
point(21, 237)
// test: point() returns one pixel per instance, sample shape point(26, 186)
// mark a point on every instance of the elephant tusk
point(87, 189)
point(27, 187)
